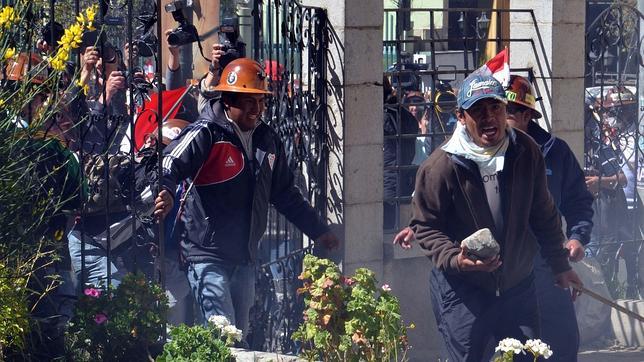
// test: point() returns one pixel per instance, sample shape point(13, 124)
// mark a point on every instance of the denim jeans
point(95, 260)
point(224, 289)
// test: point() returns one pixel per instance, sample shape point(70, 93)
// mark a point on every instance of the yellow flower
point(58, 61)
point(10, 53)
point(80, 19)
point(90, 13)
point(7, 16)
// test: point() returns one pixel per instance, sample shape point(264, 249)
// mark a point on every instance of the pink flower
point(348, 281)
point(91, 292)
point(386, 288)
point(100, 318)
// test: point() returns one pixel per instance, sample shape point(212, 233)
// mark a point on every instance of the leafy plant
point(33, 171)
point(348, 318)
point(201, 343)
point(118, 324)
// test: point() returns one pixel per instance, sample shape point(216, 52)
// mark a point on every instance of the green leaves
point(116, 324)
point(195, 344)
point(348, 318)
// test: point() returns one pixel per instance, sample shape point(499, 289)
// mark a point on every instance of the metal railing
point(613, 140)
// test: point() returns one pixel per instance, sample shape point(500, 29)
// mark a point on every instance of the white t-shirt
point(491, 185)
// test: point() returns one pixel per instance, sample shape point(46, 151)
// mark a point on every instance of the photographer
point(229, 48)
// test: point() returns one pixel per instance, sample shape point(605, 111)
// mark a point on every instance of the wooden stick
point(607, 302)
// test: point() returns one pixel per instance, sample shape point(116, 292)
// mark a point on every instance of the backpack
point(107, 190)
point(123, 183)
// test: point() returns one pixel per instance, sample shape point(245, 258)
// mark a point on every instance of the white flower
point(233, 332)
point(510, 345)
point(219, 321)
point(386, 288)
point(538, 348)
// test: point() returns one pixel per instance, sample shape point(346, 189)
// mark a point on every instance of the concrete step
point(631, 355)
point(243, 355)
point(628, 331)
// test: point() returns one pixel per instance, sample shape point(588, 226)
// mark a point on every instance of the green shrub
point(118, 324)
point(202, 343)
point(348, 319)
point(195, 344)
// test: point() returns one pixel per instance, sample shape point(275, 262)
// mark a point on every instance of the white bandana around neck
point(489, 159)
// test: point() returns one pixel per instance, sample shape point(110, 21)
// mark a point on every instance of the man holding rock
point(486, 176)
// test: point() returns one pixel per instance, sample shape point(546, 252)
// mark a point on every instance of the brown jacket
point(450, 204)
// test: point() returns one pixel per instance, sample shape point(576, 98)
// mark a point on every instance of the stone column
point(355, 180)
point(356, 112)
point(558, 63)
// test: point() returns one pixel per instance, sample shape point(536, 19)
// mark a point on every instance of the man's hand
point(404, 237)
point(115, 82)
point(163, 204)
point(569, 279)
point(89, 58)
point(329, 240)
point(575, 250)
point(216, 54)
point(173, 58)
point(592, 182)
point(466, 264)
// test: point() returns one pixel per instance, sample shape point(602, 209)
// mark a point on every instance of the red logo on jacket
point(224, 163)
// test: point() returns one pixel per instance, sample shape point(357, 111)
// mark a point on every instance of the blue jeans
point(95, 260)
point(224, 289)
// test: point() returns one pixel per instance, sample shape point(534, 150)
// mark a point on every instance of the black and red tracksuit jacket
point(225, 213)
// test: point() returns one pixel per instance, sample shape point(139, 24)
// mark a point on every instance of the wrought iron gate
point(291, 40)
point(613, 142)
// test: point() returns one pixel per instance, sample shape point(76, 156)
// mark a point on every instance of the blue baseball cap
point(477, 87)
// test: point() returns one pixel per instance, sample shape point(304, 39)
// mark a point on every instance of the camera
point(99, 41)
point(185, 33)
point(146, 43)
point(232, 46)
point(135, 80)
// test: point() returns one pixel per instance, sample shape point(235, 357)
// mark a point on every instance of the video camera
point(232, 46)
point(406, 75)
point(185, 33)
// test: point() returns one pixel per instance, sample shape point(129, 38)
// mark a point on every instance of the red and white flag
point(498, 67)
point(146, 121)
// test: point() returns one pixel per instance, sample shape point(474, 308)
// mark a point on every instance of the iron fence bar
point(105, 118)
point(160, 236)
